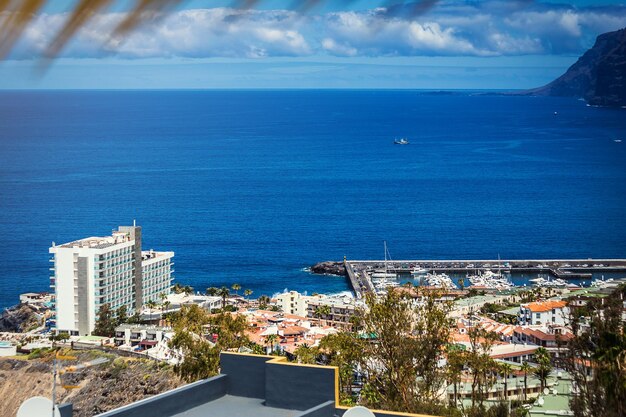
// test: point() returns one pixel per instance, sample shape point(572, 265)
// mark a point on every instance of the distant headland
point(599, 75)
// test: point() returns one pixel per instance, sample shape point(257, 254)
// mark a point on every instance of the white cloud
point(488, 28)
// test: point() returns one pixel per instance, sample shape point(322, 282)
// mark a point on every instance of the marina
point(378, 275)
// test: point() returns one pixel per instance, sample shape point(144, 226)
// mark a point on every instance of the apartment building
point(142, 335)
point(293, 302)
point(544, 313)
point(157, 269)
point(334, 312)
point(91, 272)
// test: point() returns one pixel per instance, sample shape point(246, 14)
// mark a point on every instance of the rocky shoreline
point(329, 268)
point(21, 318)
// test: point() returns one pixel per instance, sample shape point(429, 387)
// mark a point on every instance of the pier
point(358, 270)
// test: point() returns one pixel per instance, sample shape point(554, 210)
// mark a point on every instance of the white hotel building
point(94, 271)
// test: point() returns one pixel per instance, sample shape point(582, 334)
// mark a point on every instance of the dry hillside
point(100, 388)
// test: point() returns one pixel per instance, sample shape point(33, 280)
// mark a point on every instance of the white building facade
point(293, 302)
point(544, 313)
point(89, 273)
point(157, 269)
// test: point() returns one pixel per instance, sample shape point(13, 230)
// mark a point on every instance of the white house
point(544, 313)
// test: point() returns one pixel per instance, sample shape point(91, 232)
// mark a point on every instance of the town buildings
point(140, 335)
point(333, 310)
point(91, 272)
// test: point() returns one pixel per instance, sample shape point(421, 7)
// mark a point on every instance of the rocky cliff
point(99, 389)
point(599, 76)
point(329, 268)
point(21, 318)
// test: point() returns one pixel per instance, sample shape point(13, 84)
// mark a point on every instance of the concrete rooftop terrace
point(249, 386)
point(230, 405)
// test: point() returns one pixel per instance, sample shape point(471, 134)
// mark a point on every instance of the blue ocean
point(252, 187)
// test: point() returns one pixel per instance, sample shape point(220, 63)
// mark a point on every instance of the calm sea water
point(253, 186)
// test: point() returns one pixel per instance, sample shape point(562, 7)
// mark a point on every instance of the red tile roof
point(543, 306)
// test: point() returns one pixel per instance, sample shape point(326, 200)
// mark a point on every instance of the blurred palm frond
point(15, 15)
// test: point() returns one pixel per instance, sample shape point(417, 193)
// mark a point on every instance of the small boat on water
point(419, 271)
point(617, 140)
point(402, 141)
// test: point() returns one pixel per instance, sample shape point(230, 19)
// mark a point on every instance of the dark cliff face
point(599, 76)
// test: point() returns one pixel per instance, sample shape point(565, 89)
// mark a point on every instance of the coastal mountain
point(599, 76)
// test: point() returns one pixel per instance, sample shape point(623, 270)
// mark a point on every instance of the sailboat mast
point(385, 245)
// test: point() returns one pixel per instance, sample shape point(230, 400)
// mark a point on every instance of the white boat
point(402, 141)
point(490, 279)
point(549, 283)
point(601, 283)
point(419, 271)
point(439, 281)
point(617, 140)
point(383, 274)
point(383, 279)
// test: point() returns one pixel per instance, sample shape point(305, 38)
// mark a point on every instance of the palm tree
point(456, 361)
point(322, 311)
point(188, 289)
point(506, 369)
point(212, 291)
point(236, 287)
point(247, 293)
point(461, 283)
point(270, 340)
point(525, 368)
point(223, 292)
point(542, 357)
point(263, 302)
point(163, 297)
point(166, 306)
point(151, 304)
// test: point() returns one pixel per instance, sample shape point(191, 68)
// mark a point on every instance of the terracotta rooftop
point(543, 306)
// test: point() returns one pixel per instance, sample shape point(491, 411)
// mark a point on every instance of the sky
point(446, 44)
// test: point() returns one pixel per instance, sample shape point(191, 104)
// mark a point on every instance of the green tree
point(61, 337)
point(306, 354)
point(230, 330)
point(506, 369)
point(264, 300)
point(105, 323)
point(236, 287)
point(544, 366)
point(481, 367)
point(343, 350)
point(166, 306)
point(135, 318)
point(247, 293)
point(188, 289)
point(270, 341)
point(525, 368)
point(322, 311)
point(212, 291)
point(595, 357)
point(201, 356)
point(121, 315)
point(151, 304)
point(224, 292)
point(406, 340)
point(456, 363)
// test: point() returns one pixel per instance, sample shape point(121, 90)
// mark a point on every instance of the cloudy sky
point(341, 44)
